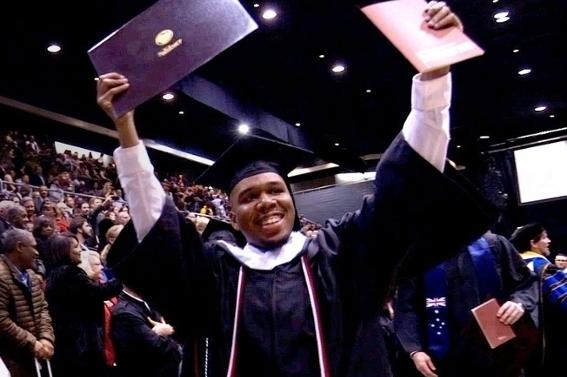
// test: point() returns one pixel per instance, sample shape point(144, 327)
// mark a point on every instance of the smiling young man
point(286, 305)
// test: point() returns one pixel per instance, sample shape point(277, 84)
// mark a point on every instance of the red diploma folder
point(495, 332)
point(401, 21)
point(168, 41)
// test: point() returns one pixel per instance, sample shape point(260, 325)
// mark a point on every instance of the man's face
point(96, 203)
point(70, 201)
point(64, 178)
point(30, 207)
point(561, 261)
point(262, 209)
point(28, 254)
point(85, 209)
point(541, 246)
point(87, 229)
point(21, 219)
point(122, 217)
point(43, 191)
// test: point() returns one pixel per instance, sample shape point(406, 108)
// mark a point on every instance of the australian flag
point(436, 312)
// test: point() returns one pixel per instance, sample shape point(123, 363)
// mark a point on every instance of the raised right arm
point(143, 191)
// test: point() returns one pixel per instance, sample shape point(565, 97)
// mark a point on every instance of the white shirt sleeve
point(144, 193)
point(427, 127)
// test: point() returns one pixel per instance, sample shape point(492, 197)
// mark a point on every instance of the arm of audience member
point(48, 348)
point(46, 334)
point(427, 127)
point(424, 364)
point(143, 191)
point(12, 335)
point(85, 286)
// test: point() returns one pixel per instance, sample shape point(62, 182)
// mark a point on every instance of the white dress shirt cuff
point(144, 193)
point(427, 127)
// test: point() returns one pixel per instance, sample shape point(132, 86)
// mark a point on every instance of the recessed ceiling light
point(500, 15)
point(337, 144)
point(524, 71)
point(494, 1)
point(338, 68)
point(484, 137)
point(96, 79)
point(368, 90)
point(181, 112)
point(54, 48)
point(515, 51)
point(243, 128)
point(297, 124)
point(322, 56)
point(540, 108)
point(256, 5)
point(552, 116)
point(458, 147)
point(269, 14)
point(168, 96)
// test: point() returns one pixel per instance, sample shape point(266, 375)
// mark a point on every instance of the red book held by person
point(166, 42)
point(401, 21)
point(495, 332)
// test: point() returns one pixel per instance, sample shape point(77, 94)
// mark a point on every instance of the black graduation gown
point(469, 354)
point(353, 259)
point(140, 351)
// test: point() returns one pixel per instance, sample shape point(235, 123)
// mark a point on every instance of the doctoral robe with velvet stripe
point(468, 352)
point(354, 260)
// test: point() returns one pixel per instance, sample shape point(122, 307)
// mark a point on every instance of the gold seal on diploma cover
point(164, 37)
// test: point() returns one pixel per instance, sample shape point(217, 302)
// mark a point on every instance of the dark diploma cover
point(495, 332)
point(166, 42)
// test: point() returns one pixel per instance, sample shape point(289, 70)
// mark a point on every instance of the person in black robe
point(421, 321)
point(285, 305)
point(142, 340)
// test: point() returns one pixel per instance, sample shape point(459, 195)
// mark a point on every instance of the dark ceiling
point(277, 68)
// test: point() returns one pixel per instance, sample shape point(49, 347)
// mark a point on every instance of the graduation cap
point(221, 230)
point(523, 235)
point(251, 155)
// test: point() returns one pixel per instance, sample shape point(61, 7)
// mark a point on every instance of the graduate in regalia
point(286, 305)
point(435, 324)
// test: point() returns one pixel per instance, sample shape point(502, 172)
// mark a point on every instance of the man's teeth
point(271, 220)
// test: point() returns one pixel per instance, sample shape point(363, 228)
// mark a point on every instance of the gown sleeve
point(165, 268)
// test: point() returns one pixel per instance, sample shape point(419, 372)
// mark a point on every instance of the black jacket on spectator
point(140, 351)
point(76, 306)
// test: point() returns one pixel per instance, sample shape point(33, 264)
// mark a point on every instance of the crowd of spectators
point(64, 185)
point(74, 208)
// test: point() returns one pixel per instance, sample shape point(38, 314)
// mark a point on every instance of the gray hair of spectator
point(14, 212)
point(12, 237)
point(86, 261)
point(76, 223)
point(5, 205)
point(27, 199)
